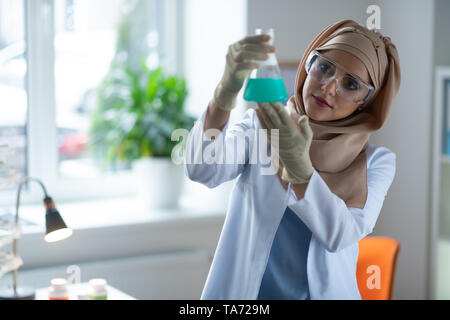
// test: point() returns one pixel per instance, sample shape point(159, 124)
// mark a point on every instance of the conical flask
point(265, 83)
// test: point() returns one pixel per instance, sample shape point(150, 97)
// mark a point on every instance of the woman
point(295, 235)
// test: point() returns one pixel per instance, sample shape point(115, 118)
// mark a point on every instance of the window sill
point(113, 212)
point(110, 229)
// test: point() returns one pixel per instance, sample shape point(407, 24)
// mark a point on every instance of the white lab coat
point(255, 209)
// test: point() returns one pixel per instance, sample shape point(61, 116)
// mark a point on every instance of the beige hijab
point(338, 147)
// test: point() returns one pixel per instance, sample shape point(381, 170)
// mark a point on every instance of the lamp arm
point(19, 191)
point(21, 184)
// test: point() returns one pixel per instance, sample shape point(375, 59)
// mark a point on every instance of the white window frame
point(42, 153)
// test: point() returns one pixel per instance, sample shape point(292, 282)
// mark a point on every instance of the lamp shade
point(56, 228)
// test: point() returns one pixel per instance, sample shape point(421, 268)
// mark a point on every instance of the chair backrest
point(375, 269)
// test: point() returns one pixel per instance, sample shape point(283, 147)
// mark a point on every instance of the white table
point(113, 293)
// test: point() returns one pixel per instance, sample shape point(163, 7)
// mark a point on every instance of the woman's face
point(338, 107)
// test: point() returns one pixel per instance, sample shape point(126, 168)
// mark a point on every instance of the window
point(53, 56)
point(49, 73)
point(13, 113)
point(85, 35)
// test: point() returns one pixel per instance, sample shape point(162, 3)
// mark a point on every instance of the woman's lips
point(321, 102)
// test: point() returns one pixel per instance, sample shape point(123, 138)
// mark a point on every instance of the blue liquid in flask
point(265, 90)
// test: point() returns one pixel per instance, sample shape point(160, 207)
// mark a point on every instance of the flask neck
point(272, 61)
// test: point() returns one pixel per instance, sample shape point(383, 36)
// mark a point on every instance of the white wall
point(405, 215)
point(297, 22)
point(442, 257)
point(210, 27)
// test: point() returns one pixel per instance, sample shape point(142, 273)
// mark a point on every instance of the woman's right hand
point(242, 57)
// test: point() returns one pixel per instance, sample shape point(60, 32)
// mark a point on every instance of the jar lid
point(97, 283)
point(58, 283)
point(58, 289)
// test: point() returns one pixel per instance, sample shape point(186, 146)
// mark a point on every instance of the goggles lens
point(348, 86)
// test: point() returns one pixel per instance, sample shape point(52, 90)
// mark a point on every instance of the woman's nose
point(330, 87)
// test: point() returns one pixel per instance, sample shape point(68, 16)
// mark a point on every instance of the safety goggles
point(349, 86)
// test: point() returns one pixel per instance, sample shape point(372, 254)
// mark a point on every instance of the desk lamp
point(56, 230)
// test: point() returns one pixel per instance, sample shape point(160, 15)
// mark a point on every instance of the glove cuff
point(224, 99)
point(289, 177)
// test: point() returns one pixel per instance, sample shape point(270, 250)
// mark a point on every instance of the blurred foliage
point(136, 114)
point(137, 108)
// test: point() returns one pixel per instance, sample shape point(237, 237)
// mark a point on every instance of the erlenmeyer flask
point(265, 83)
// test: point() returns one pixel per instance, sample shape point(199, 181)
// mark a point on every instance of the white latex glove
point(294, 141)
point(241, 58)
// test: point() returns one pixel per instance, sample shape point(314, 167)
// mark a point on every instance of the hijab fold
point(338, 147)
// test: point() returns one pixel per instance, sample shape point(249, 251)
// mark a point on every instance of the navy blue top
point(285, 277)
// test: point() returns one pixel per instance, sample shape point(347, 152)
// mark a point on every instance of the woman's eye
point(324, 67)
point(350, 84)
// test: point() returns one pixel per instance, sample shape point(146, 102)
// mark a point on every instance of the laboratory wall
point(296, 23)
point(410, 24)
point(406, 214)
point(209, 27)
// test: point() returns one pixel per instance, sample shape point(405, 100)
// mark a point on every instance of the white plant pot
point(159, 183)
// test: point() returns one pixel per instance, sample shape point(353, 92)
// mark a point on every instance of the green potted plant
point(132, 124)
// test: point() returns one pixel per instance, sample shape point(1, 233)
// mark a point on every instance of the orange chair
point(376, 267)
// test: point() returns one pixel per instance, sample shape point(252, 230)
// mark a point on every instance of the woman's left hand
point(294, 141)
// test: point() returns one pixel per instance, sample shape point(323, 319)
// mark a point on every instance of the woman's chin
point(316, 115)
